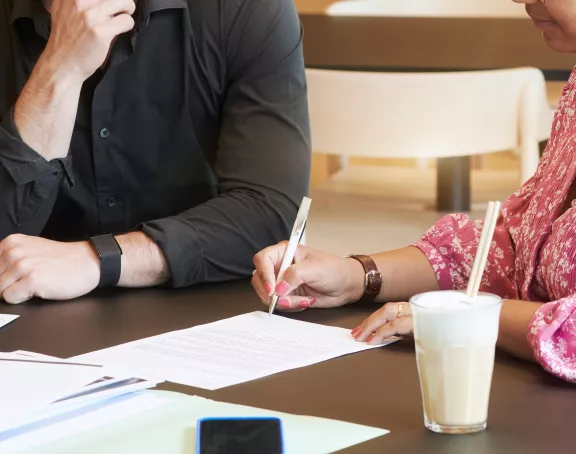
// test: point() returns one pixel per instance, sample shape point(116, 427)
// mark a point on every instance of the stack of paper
point(152, 422)
point(231, 351)
point(34, 387)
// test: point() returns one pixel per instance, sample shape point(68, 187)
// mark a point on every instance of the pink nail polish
point(304, 304)
point(355, 330)
point(284, 302)
point(358, 334)
point(282, 288)
point(268, 288)
point(312, 301)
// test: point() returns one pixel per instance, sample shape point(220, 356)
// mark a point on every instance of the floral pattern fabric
point(533, 253)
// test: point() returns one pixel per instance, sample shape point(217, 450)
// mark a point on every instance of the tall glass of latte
point(455, 343)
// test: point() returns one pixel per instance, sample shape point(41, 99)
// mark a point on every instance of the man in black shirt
point(147, 142)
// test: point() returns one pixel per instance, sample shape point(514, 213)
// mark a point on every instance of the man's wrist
point(49, 98)
point(57, 77)
point(92, 259)
point(110, 255)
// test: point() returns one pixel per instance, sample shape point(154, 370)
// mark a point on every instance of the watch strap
point(110, 254)
point(372, 280)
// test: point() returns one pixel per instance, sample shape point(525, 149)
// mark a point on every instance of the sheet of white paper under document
point(7, 318)
point(230, 351)
point(152, 422)
point(27, 387)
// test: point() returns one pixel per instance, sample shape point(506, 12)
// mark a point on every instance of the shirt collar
point(158, 5)
point(34, 10)
point(146, 7)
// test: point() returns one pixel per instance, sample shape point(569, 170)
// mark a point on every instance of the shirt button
point(104, 133)
point(111, 202)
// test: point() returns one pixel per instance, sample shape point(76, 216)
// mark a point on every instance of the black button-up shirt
point(196, 132)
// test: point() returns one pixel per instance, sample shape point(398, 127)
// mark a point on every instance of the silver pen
point(295, 238)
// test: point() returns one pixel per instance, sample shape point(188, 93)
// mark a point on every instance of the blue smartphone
point(239, 436)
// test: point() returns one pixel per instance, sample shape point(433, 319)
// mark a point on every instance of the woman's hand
point(390, 320)
point(315, 279)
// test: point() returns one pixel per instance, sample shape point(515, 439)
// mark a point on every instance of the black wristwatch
point(110, 254)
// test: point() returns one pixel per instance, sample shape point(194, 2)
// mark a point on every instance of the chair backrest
point(429, 8)
point(424, 115)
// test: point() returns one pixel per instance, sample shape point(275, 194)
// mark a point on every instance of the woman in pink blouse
point(532, 260)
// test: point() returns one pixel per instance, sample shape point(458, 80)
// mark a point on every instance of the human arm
point(515, 323)
point(441, 260)
point(331, 281)
point(35, 132)
point(36, 267)
point(334, 281)
point(263, 157)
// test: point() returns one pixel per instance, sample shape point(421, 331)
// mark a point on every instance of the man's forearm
point(143, 262)
point(46, 110)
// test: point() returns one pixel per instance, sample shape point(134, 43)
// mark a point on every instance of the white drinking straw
point(481, 258)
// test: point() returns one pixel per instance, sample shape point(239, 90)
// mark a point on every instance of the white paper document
point(7, 318)
point(36, 387)
point(230, 351)
point(29, 385)
point(162, 422)
point(75, 423)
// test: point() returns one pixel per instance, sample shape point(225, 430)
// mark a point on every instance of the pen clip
point(302, 217)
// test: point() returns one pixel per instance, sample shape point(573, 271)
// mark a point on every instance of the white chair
point(450, 116)
point(429, 8)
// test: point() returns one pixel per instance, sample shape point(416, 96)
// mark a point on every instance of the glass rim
point(413, 300)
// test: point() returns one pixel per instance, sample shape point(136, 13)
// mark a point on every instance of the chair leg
point(453, 184)
point(542, 146)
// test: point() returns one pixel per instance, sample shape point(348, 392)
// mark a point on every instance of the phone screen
point(240, 436)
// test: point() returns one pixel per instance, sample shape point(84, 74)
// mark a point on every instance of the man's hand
point(32, 266)
point(83, 32)
point(80, 40)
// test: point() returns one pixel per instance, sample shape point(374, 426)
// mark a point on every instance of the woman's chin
point(560, 44)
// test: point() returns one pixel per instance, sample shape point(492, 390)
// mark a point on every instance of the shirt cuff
point(439, 265)
point(182, 248)
point(553, 339)
point(22, 163)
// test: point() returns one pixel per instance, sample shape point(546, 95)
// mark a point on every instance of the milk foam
point(451, 319)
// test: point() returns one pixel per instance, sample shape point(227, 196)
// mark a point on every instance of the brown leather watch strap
point(373, 279)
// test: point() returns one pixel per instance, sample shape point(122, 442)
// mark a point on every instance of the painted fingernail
point(284, 302)
point(268, 287)
point(358, 334)
point(304, 304)
point(312, 301)
point(282, 288)
point(355, 330)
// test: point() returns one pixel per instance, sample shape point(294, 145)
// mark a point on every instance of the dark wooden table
point(530, 411)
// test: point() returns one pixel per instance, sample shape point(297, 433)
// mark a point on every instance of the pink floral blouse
point(533, 254)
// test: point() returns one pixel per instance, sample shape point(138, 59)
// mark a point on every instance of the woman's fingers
point(285, 303)
point(397, 327)
point(307, 271)
point(295, 303)
point(381, 317)
point(258, 285)
point(267, 262)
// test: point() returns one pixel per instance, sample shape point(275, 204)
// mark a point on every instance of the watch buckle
point(369, 274)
